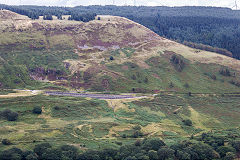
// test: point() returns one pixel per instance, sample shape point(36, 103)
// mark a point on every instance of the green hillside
point(185, 102)
point(98, 56)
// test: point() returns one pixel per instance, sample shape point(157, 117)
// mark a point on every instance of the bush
point(187, 122)
point(12, 116)
point(37, 110)
point(213, 77)
point(186, 85)
point(236, 145)
point(111, 58)
point(57, 108)
point(124, 136)
point(11, 154)
point(165, 153)
point(230, 156)
point(6, 142)
point(9, 115)
point(236, 83)
point(146, 80)
point(225, 72)
point(152, 155)
point(171, 85)
point(137, 143)
point(153, 144)
point(223, 150)
point(177, 62)
point(40, 149)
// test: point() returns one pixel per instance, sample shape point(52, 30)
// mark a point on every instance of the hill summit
point(107, 54)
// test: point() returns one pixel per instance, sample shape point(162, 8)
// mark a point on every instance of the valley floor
point(98, 123)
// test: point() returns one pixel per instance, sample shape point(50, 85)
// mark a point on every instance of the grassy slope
point(27, 45)
point(92, 123)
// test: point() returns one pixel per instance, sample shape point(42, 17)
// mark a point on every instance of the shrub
point(177, 62)
point(137, 143)
point(5, 113)
point(40, 149)
point(124, 136)
point(134, 77)
point(165, 153)
point(213, 77)
point(9, 115)
point(153, 155)
point(236, 83)
point(146, 80)
point(11, 154)
point(225, 72)
point(6, 142)
point(223, 150)
point(57, 108)
point(236, 145)
point(37, 110)
point(189, 93)
point(111, 58)
point(153, 144)
point(12, 116)
point(137, 127)
point(186, 85)
point(118, 143)
point(171, 85)
point(187, 122)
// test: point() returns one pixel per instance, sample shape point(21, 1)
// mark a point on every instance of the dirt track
point(97, 96)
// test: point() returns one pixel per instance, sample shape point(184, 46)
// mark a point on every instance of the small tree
point(37, 110)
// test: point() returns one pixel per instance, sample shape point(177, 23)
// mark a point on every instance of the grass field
point(93, 123)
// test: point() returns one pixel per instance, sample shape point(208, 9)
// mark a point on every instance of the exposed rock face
point(42, 74)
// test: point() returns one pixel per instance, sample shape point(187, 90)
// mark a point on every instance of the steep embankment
point(112, 53)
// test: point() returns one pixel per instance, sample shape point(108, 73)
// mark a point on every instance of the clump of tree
point(86, 17)
point(48, 17)
point(206, 146)
point(9, 115)
point(178, 62)
point(225, 72)
point(209, 48)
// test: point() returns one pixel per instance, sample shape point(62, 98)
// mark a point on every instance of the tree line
point(34, 12)
point(206, 146)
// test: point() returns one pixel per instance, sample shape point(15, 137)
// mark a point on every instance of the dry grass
point(20, 93)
